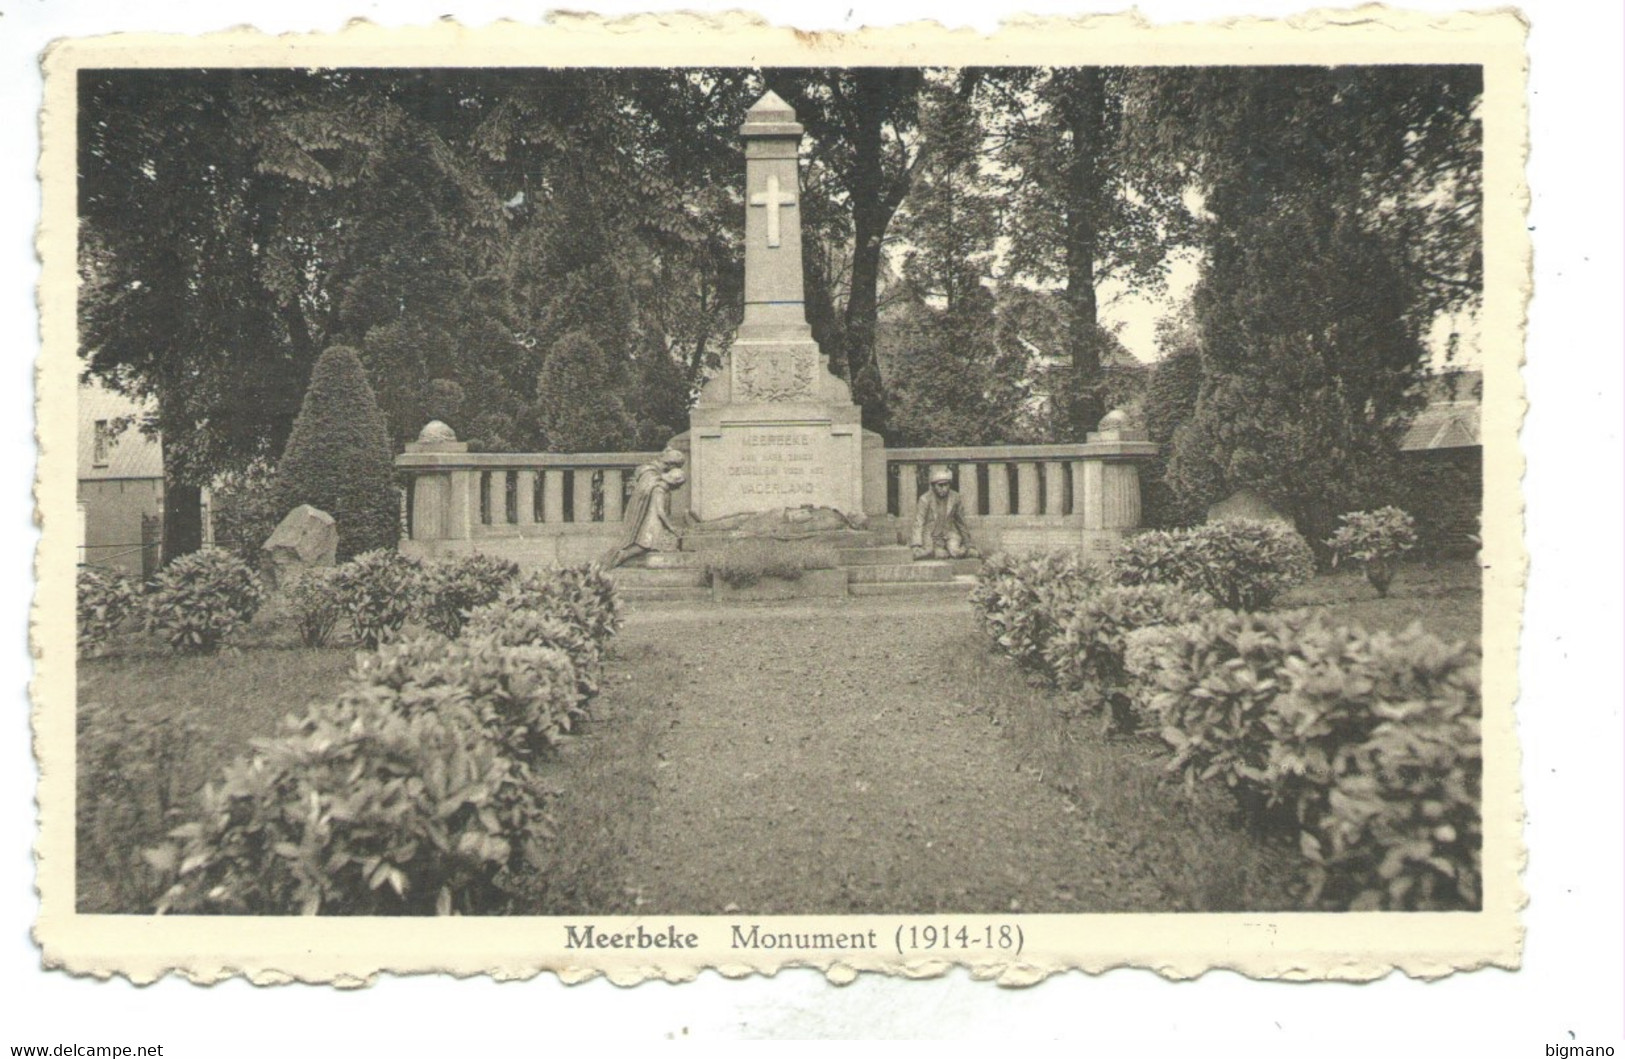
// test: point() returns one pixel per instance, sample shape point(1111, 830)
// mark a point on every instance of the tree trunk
point(870, 217)
point(183, 502)
point(1082, 107)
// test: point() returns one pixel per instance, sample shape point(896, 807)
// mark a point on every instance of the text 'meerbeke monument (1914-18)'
point(775, 428)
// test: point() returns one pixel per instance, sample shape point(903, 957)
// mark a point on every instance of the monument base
point(775, 429)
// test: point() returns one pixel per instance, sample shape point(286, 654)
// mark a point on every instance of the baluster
point(1054, 488)
point(1027, 487)
point(970, 490)
point(998, 489)
point(553, 496)
point(614, 479)
point(581, 500)
point(525, 497)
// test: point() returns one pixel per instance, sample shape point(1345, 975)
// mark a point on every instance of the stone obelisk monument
point(774, 428)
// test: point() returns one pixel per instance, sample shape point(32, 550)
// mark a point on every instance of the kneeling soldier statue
point(939, 521)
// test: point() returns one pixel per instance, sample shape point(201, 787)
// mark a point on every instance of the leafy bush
point(106, 600)
point(524, 695)
point(1244, 564)
point(1085, 655)
point(450, 588)
point(1376, 746)
point(338, 457)
point(745, 562)
point(198, 602)
point(387, 802)
point(377, 592)
point(312, 600)
point(1377, 539)
point(585, 595)
point(1021, 600)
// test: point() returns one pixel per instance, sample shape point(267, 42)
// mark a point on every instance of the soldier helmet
point(941, 474)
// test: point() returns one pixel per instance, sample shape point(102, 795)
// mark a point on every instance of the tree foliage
point(1344, 216)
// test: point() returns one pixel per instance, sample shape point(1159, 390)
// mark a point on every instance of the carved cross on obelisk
point(772, 198)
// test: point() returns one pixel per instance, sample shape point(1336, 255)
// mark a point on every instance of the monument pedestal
point(775, 429)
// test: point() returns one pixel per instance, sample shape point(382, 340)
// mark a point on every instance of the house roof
point(131, 454)
point(1451, 419)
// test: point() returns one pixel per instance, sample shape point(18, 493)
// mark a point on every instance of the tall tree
point(1088, 201)
point(1343, 208)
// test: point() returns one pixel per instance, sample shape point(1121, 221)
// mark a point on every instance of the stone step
point(659, 593)
point(876, 555)
point(958, 588)
point(907, 571)
point(636, 577)
point(702, 541)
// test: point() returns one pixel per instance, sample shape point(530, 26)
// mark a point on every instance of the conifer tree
point(338, 457)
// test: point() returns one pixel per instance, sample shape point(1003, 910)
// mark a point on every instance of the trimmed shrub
point(1085, 655)
point(745, 562)
point(1367, 744)
point(338, 457)
point(1244, 564)
point(525, 696)
point(584, 594)
point(527, 626)
point(106, 600)
point(1376, 747)
point(574, 609)
point(450, 588)
point(387, 802)
point(1021, 600)
point(1377, 539)
point(1155, 557)
point(199, 601)
point(312, 600)
point(377, 593)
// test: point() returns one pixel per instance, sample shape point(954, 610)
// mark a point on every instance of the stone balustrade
point(558, 507)
point(1093, 485)
point(459, 499)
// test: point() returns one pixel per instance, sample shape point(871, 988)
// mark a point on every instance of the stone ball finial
point(437, 431)
point(1116, 419)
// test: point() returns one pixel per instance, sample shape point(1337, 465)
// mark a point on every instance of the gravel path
point(815, 759)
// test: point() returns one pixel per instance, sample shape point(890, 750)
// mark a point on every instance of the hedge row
point(1365, 744)
point(199, 602)
point(413, 791)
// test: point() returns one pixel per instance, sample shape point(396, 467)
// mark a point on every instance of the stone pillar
point(614, 482)
point(1120, 496)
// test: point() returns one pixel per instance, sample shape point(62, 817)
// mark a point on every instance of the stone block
point(307, 538)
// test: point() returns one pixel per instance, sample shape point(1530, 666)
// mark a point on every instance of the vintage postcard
point(631, 498)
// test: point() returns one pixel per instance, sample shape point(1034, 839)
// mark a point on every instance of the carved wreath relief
point(775, 375)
